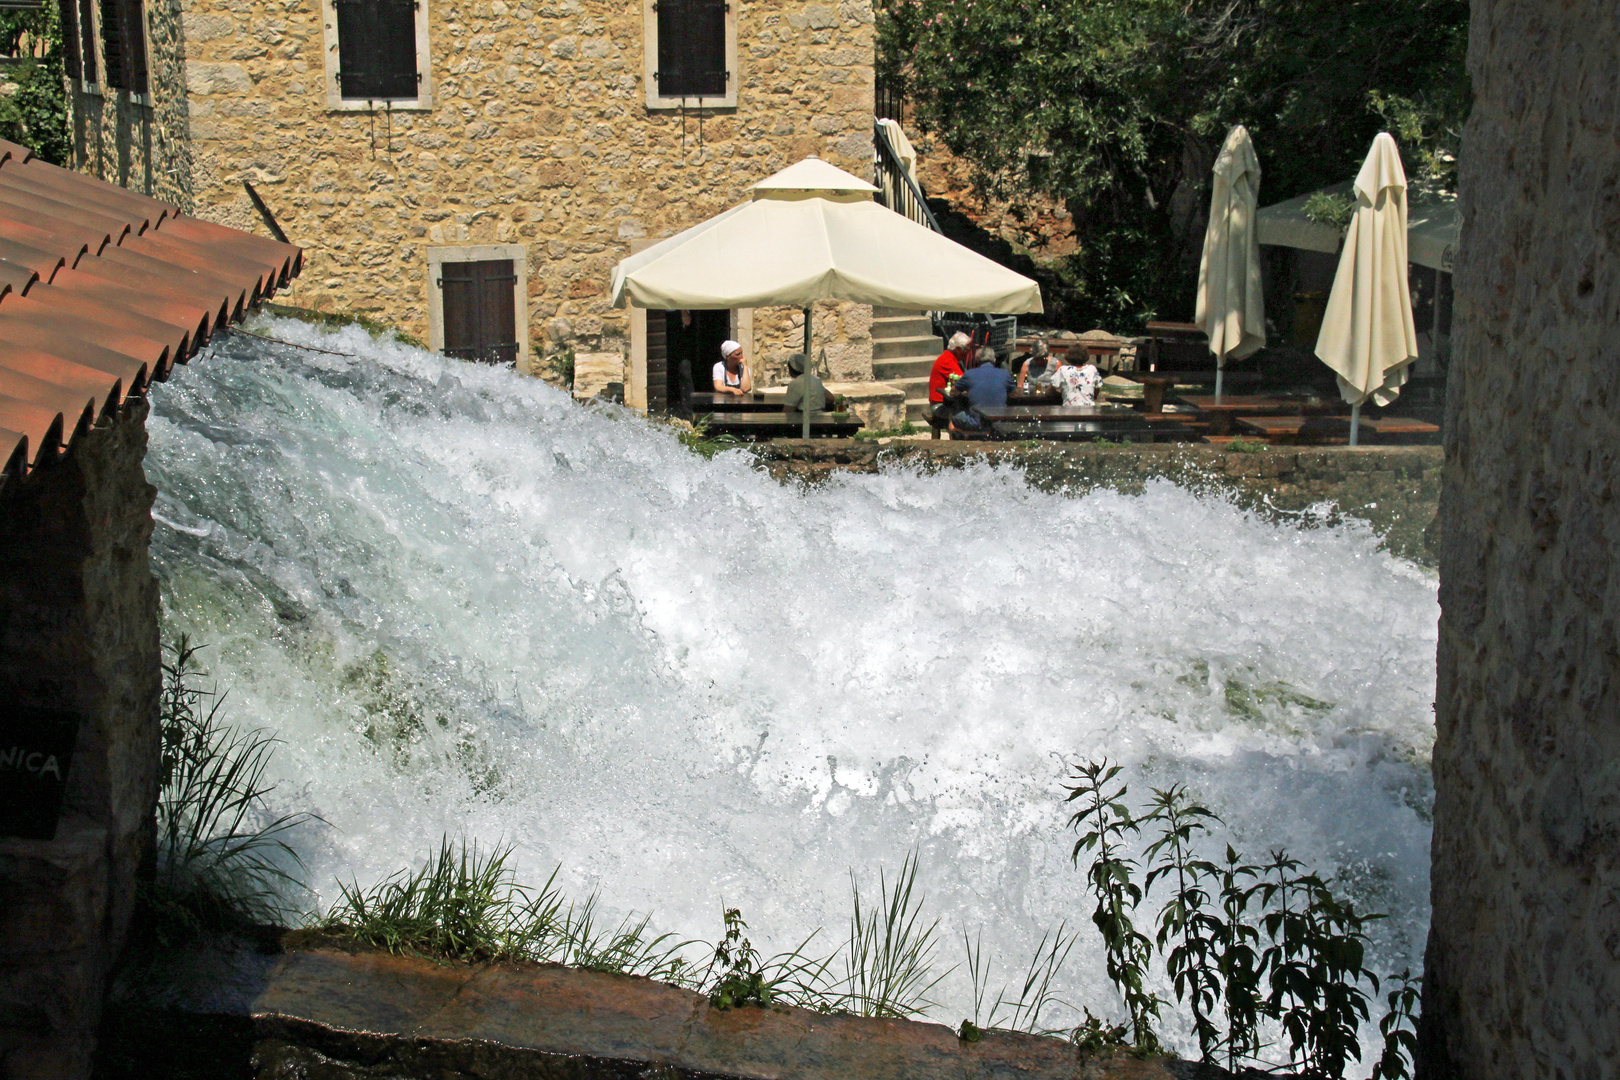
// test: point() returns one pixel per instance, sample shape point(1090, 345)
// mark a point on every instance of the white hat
point(728, 347)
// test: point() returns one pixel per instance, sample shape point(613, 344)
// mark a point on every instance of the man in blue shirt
point(985, 386)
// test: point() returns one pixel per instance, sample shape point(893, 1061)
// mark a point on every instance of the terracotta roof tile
point(102, 291)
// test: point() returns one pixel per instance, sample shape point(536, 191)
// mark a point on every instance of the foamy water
point(468, 605)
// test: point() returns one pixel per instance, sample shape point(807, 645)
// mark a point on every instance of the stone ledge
point(1396, 489)
point(340, 1015)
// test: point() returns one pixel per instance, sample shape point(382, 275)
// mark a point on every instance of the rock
point(594, 372)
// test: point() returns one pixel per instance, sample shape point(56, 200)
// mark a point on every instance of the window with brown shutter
point(123, 44)
point(480, 310)
point(376, 49)
point(87, 37)
point(67, 11)
point(692, 48)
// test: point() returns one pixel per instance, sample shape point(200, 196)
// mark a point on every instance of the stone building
point(471, 170)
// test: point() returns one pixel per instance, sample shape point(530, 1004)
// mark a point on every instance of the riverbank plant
point(223, 862)
point(1242, 944)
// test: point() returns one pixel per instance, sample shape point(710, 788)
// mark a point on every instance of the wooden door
point(480, 310)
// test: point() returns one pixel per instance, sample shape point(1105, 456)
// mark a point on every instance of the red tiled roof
point(102, 292)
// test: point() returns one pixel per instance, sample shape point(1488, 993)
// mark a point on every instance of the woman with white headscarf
point(731, 375)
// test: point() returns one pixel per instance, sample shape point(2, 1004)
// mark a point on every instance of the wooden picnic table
point(1221, 414)
point(783, 424)
point(1060, 413)
point(1072, 422)
point(1044, 397)
point(754, 401)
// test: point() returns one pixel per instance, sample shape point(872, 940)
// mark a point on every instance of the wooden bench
point(783, 425)
point(1303, 430)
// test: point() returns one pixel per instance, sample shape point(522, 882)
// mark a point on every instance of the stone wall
point(1395, 489)
point(538, 134)
point(78, 635)
point(1523, 964)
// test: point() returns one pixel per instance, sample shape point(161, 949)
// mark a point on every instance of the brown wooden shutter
point(87, 39)
point(657, 363)
point(123, 44)
point(376, 49)
point(480, 310)
point(69, 14)
point(692, 48)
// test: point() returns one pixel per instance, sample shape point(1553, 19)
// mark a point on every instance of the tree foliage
point(35, 115)
point(1119, 107)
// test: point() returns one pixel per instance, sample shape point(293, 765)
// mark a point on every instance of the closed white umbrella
point(1230, 308)
point(812, 232)
point(1368, 336)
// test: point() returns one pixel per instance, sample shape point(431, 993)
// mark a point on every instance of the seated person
point(1036, 371)
point(805, 393)
point(984, 386)
point(950, 363)
point(1078, 384)
point(731, 375)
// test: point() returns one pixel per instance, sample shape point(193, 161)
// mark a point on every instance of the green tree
point(35, 115)
point(1124, 104)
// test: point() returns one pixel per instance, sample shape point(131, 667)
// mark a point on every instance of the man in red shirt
point(952, 361)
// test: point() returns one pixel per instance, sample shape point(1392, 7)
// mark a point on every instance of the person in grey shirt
point(1037, 368)
point(805, 392)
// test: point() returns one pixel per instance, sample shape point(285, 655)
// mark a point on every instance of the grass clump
point(468, 906)
point(223, 863)
point(905, 430)
point(1246, 446)
point(694, 435)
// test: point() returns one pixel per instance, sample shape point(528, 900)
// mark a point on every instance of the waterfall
point(468, 605)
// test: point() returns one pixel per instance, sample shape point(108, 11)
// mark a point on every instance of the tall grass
point(223, 862)
point(889, 958)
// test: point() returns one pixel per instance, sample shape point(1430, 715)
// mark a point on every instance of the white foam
point(469, 605)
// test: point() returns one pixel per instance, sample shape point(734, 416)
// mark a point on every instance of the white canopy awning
point(812, 232)
point(1432, 224)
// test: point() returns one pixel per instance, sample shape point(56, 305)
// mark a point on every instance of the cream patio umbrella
point(1230, 307)
point(1367, 335)
point(812, 232)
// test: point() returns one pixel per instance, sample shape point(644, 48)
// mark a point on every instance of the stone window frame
point(439, 254)
point(649, 63)
point(336, 102)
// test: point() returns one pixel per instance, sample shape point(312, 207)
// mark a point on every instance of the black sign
point(36, 748)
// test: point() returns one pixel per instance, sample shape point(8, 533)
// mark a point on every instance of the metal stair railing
point(896, 189)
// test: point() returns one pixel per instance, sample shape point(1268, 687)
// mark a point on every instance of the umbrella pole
point(1220, 375)
point(804, 403)
point(1355, 423)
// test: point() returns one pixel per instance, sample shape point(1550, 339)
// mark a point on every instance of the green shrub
point(1241, 943)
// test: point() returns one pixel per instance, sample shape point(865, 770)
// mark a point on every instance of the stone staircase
point(903, 350)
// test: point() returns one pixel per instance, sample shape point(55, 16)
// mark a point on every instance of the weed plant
point(223, 862)
point(1241, 943)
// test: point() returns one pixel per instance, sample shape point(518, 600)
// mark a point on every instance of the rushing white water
point(468, 605)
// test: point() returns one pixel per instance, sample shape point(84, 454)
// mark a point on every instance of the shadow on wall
point(1058, 293)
